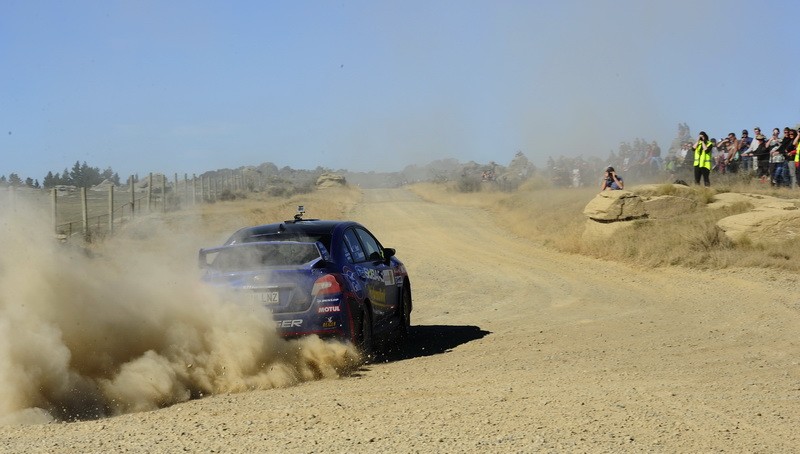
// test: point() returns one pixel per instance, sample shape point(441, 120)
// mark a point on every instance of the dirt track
point(516, 349)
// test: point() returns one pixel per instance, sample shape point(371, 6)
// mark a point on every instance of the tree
point(29, 182)
point(49, 180)
point(14, 180)
point(65, 178)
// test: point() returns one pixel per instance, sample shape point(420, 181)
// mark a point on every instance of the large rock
point(679, 190)
point(613, 206)
point(599, 231)
point(757, 201)
point(330, 180)
point(763, 225)
point(668, 206)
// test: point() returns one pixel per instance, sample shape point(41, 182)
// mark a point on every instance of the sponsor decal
point(377, 296)
point(329, 323)
point(370, 274)
point(328, 300)
point(384, 276)
point(354, 282)
point(289, 323)
point(328, 309)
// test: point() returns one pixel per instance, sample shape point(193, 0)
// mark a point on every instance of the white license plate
point(265, 297)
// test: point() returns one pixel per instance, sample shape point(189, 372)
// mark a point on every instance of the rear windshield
point(305, 237)
point(254, 256)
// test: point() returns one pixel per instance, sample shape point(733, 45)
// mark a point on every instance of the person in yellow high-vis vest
point(702, 159)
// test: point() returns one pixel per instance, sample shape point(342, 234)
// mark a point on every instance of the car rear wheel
point(405, 314)
point(364, 338)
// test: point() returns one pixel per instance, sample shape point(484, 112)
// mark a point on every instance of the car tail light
point(326, 285)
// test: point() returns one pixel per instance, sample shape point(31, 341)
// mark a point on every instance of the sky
point(190, 86)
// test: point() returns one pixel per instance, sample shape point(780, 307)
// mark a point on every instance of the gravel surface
point(514, 348)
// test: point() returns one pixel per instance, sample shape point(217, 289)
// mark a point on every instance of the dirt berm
point(515, 349)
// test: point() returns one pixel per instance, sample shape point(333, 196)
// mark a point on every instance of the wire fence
point(91, 213)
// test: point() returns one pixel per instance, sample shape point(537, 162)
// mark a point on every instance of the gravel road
point(515, 348)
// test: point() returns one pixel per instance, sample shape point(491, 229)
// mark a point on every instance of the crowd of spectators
point(773, 160)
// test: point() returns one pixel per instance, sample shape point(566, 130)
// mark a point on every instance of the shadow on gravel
point(427, 340)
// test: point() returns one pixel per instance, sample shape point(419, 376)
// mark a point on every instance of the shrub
point(468, 184)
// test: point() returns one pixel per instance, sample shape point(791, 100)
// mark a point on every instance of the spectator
point(791, 154)
point(745, 159)
point(612, 181)
point(720, 155)
point(761, 157)
point(654, 152)
point(732, 143)
point(702, 159)
point(750, 153)
point(689, 156)
point(773, 143)
point(796, 154)
point(780, 170)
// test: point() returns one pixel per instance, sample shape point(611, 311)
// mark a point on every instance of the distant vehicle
point(330, 278)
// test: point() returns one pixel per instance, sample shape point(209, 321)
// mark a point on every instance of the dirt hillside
point(516, 349)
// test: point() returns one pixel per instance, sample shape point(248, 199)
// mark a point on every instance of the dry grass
point(554, 217)
point(210, 224)
point(260, 208)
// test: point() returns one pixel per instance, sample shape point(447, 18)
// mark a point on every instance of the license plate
point(270, 297)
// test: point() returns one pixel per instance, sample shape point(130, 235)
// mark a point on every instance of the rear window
point(255, 256)
point(305, 238)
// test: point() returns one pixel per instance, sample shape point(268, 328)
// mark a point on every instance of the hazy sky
point(189, 86)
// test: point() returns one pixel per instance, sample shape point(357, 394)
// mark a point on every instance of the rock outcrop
point(770, 220)
point(767, 219)
point(615, 206)
point(611, 211)
point(668, 206)
point(330, 180)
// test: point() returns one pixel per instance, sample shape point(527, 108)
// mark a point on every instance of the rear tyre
point(405, 314)
point(364, 339)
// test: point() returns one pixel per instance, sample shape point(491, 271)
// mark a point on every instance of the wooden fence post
point(149, 191)
point(111, 209)
point(133, 196)
point(163, 192)
point(85, 210)
point(54, 198)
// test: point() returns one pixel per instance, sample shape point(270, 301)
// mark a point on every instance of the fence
point(80, 211)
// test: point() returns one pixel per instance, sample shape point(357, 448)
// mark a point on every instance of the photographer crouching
point(612, 181)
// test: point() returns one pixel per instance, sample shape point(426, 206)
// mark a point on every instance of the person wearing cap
point(760, 157)
point(612, 181)
point(744, 145)
point(731, 143)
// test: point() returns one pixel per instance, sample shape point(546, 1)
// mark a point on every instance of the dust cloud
point(130, 328)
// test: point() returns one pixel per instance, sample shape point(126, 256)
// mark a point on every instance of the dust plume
point(130, 328)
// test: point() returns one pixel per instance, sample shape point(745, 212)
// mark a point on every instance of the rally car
point(330, 278)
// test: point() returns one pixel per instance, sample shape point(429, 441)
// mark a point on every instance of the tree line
point(81, 175)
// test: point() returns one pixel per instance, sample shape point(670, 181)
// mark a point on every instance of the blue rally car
point(331, 278)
